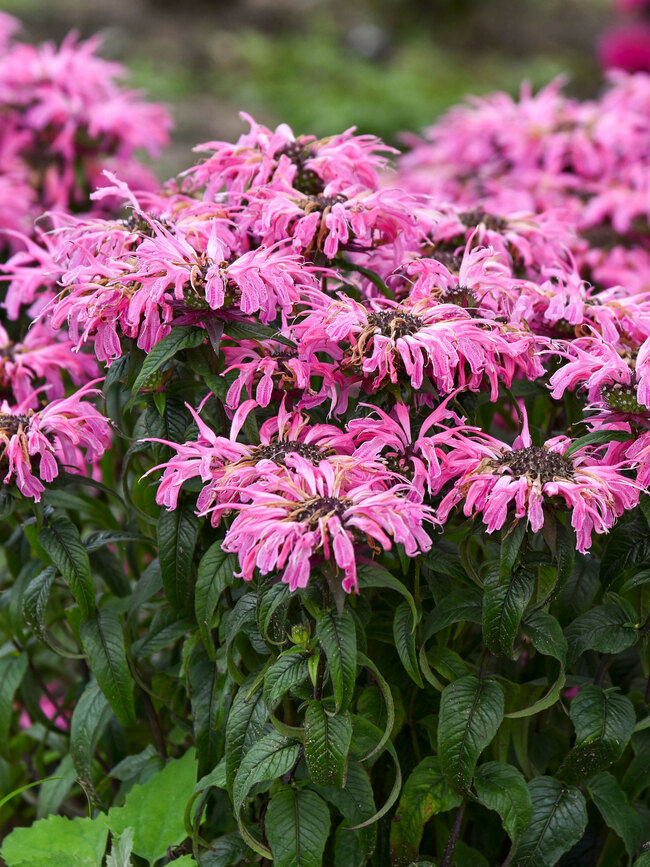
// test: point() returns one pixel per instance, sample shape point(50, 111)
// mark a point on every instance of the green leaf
point(643, 860)
point(471, 711)
point(600, 437)
point(503, 788)
point(56, 841)
point(166, 627)
point(403, 626)
point(637, 776)
point(177, 534)
point(603, 628)
point(216, 572)
point(155, 810)
point(425, 794)
point(510, 545)
point(121, 848)
point(327, 742)
point(243, 330)
point(546, 635)
point(12, 671)
point(53, 791)
point(627, 545)
point(181, 337)
point(272, 603)
point(613, 805)
point(89, 719)
point(297, 825)
point(373, 575)
point(338, 638)
point(459, 605)
point(62, 542)
point(103, 643)
point(271, 757)
point(503, 607)
point(289, 670)
point(604, 722)
point(559, 821)
point(207, 688)
point(245, 726)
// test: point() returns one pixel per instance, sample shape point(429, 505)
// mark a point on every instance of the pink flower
point(626, 46)
point(34, 445)
point(530, 478)
point(321, 518)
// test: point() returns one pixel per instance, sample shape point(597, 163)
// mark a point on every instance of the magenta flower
point(532, 478)
point(322, 518)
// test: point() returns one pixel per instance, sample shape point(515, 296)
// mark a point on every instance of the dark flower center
point(537, 461)
point(306, 180)
point(622, 396)
point(395, 324)
point(461, 296)
point(11, 424)
point(313, 510)
point(477, 216)
point(279, 450)
point(320, 203)
point(451, 261)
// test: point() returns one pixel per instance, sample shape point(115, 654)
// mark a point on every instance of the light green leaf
point(604, 721)
point(327, 742)
point(503, 788)
point(121, 848)
point(297, 825)
point(103, 643)
point(425, 794)
point(155, 810)
point(559, 821)
point(62, 542)
point(56, 841)
point(471, 711)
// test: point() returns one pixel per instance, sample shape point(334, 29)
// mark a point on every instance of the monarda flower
point(534, 478)
point(35, 445)
point(321, 519)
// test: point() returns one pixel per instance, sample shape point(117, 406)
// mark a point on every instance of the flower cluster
point(64, 120)
point(351, 326)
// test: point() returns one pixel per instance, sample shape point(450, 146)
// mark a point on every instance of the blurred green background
point(382, 65)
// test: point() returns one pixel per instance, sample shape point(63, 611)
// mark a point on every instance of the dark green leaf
point(604, 721)
point(89, 720)
point(471, 711)
point(425, 794)
point(245, 725)
point(165, 628)
point(373, 575)
point(216, 572)
point(600, 437)
point(271, 757)
point(610, 799)
point(627, 545)
point(503, 788)
point(338, 638)
point(207, 687)
point(103, 643)
point(327, 741)
point(637, 776)
point(503, 607)
point(403, 626)
point(243, 330)
point(62, 542)
point(12, 671)
point(545, 634)
point(155, 810)
point(35, 601)
point(459, 605)
point(297, 825)
point(510, 545)
point(177, 534)
point(603, 628)
point(181, 337)
point(559, 820)
point(287, 671)
point(272, 604)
